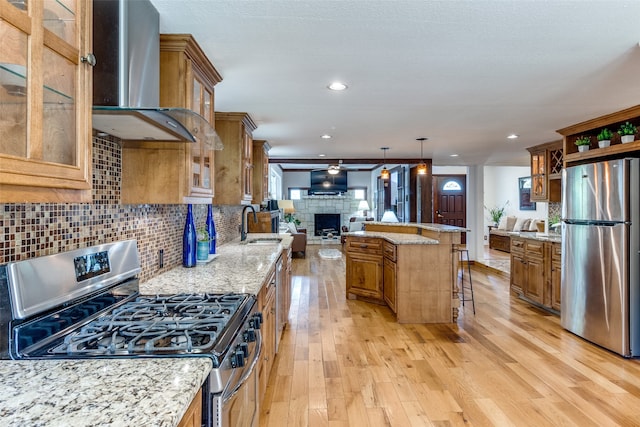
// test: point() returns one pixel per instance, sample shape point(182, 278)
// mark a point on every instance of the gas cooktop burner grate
point(184, 323)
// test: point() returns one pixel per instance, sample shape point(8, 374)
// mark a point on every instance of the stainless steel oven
point(85, 304)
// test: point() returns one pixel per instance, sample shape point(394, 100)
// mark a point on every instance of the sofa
point(500, 236)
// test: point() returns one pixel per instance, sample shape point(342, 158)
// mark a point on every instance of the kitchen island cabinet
point(45, 102)
point(410, 267)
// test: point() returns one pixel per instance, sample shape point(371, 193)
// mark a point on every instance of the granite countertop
point(99, 392)
point(442, 228)
point(239, 267)
point(395, 238)
point(139, 391)
point(545, 237)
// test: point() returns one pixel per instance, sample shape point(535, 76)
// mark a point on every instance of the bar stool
point(464, 251)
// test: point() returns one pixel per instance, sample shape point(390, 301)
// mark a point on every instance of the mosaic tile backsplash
point(32, 230)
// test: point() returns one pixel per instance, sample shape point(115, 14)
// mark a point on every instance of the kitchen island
point(155, 391)
point(410, 267)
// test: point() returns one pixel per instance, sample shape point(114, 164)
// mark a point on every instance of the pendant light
point(384, 173)
point(422, 166)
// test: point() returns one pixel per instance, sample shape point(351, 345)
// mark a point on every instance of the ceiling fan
point(335, 169)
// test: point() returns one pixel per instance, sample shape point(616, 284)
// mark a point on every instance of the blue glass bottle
point(211, 229)
point(189, 240)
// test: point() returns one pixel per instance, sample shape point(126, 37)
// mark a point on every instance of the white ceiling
point(465, 74)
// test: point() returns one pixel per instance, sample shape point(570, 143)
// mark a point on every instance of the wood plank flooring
point(348, 363)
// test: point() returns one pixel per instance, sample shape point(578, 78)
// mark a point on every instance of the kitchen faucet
point(243, 233)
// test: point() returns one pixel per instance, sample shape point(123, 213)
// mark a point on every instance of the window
point(359, 193)
point(295, 193)
point(451, 186)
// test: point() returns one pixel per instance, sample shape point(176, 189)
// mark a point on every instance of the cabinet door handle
point(89, 59)
point(364, 246)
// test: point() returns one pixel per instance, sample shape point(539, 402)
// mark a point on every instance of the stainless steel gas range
point(86, 304)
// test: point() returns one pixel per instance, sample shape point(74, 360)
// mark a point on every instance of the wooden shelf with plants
point(593, 128)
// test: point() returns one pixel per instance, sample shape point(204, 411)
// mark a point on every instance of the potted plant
point(289, 217)
point(202, 248)
point(627, 132)
point(583, 143)
point(497, 213)
point(604, 138)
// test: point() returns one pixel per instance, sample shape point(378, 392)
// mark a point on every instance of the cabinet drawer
point(517, 245)
point(556, 251)
point(535, 249)
point(389, 251)
point(369, 245)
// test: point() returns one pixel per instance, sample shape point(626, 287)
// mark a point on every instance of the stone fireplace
point(326, 222)
point(344, 206)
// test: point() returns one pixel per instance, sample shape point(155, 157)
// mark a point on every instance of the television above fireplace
point(322, 182)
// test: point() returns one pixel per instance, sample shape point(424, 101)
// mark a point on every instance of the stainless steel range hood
point(126, 78)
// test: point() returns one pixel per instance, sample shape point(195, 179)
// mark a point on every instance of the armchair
point(299, 243)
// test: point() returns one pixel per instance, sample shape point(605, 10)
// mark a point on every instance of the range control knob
point(237, 358)
point(256, 321)
point(249, 335)
point(244, 347)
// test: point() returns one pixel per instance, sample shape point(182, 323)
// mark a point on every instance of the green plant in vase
point(583, 143)
point(202, 247)
point(604, 138)
point(627, 132)
point(289, 217)
point(496, 213)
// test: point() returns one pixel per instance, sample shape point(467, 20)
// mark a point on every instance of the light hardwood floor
point(348, 363)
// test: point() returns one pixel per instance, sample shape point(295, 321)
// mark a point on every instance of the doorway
point(450, 201)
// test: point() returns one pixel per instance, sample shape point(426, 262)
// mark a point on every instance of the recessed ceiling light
point(337, 86)
point(453, 155)
point(512, 136)
point(321, 155)
point(325, 136)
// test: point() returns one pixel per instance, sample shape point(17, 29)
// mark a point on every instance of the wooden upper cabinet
point(45, 101)
point(546, 172)
point(170, 172)
point(234, 164)
point(260, 171)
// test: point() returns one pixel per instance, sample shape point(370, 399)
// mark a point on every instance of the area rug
point(330, 253)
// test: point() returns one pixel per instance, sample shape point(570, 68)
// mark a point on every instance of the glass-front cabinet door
point(45, 119)
point(539, 175)
point(202, 152)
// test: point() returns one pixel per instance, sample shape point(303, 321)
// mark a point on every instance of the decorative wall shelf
point(591, 128)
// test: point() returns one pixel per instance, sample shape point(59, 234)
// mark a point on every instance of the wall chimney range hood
point(126, 78)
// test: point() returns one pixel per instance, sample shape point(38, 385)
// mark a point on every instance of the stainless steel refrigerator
point(600, 259)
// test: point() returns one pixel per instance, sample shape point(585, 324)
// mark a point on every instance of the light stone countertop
point(545, 237)
point(138, 391)
point(99, 392)
point(239, 267)
point(442, 228)
point(395, 238)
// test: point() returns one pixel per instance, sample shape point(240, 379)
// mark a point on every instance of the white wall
point(500, 186)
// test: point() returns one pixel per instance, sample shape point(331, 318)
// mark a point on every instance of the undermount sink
point(264, 241)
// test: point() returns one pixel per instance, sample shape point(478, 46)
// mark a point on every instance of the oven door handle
point(228, 396)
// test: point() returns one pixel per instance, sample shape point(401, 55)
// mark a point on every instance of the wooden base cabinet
point(266, 304)
point(535, 271)
point(193, 416)
point(365, 268)
point(390, 275)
